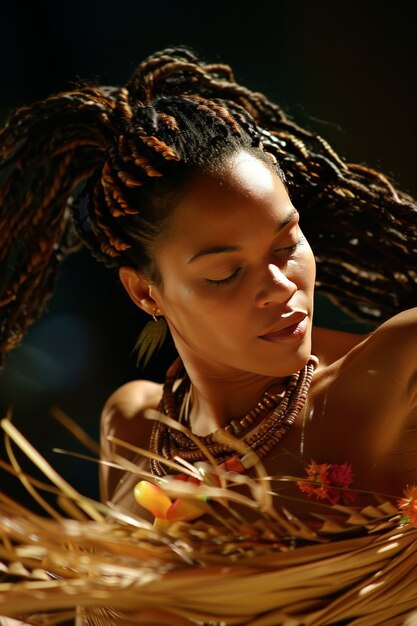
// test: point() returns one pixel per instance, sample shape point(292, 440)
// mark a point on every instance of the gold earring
point(154, 312)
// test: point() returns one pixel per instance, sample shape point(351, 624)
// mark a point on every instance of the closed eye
point(225, 281)
point(289, 250)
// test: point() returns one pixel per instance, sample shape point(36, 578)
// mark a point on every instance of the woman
point(192, 187)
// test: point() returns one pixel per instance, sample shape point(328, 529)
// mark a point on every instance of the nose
point(275, 288)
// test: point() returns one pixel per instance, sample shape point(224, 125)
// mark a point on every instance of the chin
point(285, 363)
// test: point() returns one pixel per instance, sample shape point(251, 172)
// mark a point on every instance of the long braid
point(113, 157)
point(45, 153)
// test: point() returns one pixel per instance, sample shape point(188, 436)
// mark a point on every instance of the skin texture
point(361, 407)
point(268, 272)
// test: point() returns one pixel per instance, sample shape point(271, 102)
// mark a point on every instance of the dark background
point(344, 70)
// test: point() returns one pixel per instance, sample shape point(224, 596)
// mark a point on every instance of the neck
point(213, 394)
point(218, 398)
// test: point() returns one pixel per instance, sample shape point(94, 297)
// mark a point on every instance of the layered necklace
point(260, 430)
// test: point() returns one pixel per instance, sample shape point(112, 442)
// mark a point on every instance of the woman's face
point(237, 273)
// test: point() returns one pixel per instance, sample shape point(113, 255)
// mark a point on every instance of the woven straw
point(354, 567)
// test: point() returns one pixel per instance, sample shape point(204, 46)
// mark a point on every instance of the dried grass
point(352, 566)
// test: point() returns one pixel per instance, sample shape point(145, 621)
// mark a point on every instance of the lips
point(288, 324)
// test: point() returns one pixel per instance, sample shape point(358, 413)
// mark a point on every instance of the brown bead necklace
point(261, 429)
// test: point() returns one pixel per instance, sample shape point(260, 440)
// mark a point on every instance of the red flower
point(340, 479)
point(408, 503)
point(327, 481)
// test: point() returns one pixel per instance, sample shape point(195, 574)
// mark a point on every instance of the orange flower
point(317, 480)
point(408, 504)
point(327, 481)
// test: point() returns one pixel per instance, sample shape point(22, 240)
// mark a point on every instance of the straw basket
point(354, 567)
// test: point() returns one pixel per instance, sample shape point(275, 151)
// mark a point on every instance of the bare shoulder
point(406, 321)
point(122, 415)
point(330, 345)
point(397, 339)
point(133, 398)
point(122, 418)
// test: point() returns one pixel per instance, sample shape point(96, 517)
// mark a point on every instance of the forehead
point(245, 189)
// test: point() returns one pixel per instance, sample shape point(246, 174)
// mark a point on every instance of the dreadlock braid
point(46, 150)
point(117, 159)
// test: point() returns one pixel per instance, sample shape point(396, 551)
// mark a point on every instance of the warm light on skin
point(218, 304)
point(216, 324)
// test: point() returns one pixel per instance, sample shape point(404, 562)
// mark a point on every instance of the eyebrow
point(220, 249)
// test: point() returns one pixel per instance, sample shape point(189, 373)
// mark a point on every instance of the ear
point(138, 288)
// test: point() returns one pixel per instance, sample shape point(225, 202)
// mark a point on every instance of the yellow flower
point(152, 498)
point(156, 501)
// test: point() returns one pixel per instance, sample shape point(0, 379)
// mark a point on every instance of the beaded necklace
point(260, 430)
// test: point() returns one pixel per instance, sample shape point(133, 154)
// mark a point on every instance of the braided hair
point(105, 166)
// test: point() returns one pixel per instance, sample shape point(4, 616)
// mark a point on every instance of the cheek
point(198, 314)
point(185, 304)
point(306, 271)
